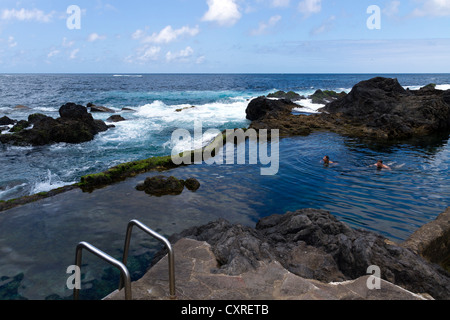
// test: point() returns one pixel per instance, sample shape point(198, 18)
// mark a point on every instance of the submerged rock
point(161, 185)
point(313, 244)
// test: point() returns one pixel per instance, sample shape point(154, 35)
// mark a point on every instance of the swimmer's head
point(380, 163)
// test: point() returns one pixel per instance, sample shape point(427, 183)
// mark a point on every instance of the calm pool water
point(37, 241)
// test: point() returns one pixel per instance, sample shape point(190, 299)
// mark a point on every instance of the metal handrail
point(124, 273)
point(159, 237)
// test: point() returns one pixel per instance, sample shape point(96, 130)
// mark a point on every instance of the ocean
point(37, 241)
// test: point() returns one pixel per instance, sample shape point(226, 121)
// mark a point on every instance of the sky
point(225, 36)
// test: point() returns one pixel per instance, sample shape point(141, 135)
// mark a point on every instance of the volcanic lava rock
point(75, 125)
point(384, 107)
point(161, 185)
point(376, 109)
point(262, 108)
point(313, 244)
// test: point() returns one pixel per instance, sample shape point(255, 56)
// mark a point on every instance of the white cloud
point(166, 35)
point(309, 7)
point(138, 34)
point(200, 60)
point(437, 8)
point(179, 56)
point(53, 53)
point(263, 26)
point(144, 54)
point(26, 15)
point(73, 54)
point(224, 12)
point(67, 44)
point(95, 36)
point(11, 42)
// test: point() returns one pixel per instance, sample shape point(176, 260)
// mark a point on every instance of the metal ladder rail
point(124, 273)
point(157, 236)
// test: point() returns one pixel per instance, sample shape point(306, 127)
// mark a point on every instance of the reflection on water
point(37, 241)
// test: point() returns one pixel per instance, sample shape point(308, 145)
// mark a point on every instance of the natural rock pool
point(38, 240)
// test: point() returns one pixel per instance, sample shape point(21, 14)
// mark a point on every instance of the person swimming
point(326, 160)
point(380, 165)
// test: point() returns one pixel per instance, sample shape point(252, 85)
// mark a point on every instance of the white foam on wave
point(443, 87)
point(438, 87)
point(214, 113)
point(5, 193)
point(50, 182)
point(128, 75)
point(308, 106)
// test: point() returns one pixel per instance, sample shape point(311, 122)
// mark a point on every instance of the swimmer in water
point(326, 160)
point(380, 165)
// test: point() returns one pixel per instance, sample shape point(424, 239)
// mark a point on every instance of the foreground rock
point(161, 185)
point(432, 241)
point(379, 108)
point(195, 263)
point(313, 244)
point(75, 125)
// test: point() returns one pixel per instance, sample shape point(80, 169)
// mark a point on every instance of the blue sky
point(225, 36)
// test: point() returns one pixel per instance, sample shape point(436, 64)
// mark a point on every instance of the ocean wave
point(49, 182)
point(128, 75)
point(308, 106)
point(211, 113)
point(443, 87)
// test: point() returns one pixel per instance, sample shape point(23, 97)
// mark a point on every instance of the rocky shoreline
point(378, 109)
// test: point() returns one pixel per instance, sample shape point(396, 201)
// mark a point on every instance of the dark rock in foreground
point(432, 241)
point(75, 125)
point(313, 244)
point(161, 185)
